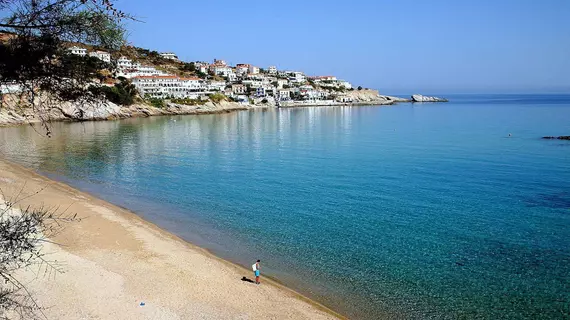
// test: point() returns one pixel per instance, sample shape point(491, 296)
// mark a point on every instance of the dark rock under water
point(558, 138)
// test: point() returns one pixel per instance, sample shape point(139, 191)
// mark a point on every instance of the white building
point(238, 89)
point(242, 69)
point(260, 91)
point(168, 86)
point(138, 70)
point(221, 70)
point(202, 69)
point(297, 77)
point(272, 70)
point(128, 69)
point(78, 51)
point(169, 56)
point(101, 55)
point(281, 83)
point(344, 99)
point(216, 85)
point(345, 84)
point(232, 76)
point(124, 63)
point(284, 95)
point(253, 83)
point(253, 70)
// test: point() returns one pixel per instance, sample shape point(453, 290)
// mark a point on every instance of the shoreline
point(89, 245)
point(12, 116)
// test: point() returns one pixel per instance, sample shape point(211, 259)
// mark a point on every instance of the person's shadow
point(247, 280)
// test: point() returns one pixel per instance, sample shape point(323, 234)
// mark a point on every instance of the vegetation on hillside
point(122, 93)
point(189, 102)
point(217, 97)
point(35, 57)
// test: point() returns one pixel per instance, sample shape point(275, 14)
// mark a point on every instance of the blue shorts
point(257, 273)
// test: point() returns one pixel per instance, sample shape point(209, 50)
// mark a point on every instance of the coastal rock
point(557, 138)
point(12, 113)
point(396, 99)
point(420, 98)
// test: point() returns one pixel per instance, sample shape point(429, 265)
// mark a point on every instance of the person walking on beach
point(256, 268)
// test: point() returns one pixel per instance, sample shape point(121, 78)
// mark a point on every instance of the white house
point(168, 86)
point(232, 76)
point(221, 70)
point(216, 85)
point(192, 84)
point(260, 91)
point(238, 89)
point(272, 70)
point(242, 69)
point(202, 68)
point(281, 83)
point(284, 95)
point(138, 70)
point(253, 83)
point(101, 55)
point(297, 77)
point(169, 56)
point(78, 51)
point(124, 63)
point(345, 84)
point(344, 99)
point(253, 69)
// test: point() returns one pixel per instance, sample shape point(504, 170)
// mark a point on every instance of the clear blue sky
point(396, 46)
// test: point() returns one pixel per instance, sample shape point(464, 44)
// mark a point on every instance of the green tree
point(359, 88)
point(36, 57)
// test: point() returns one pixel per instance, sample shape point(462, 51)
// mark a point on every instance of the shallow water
point(410, 211)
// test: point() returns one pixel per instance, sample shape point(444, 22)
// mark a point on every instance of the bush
point(264, 101)
point(359, 88)
point(157, 103)
point(122, 93)
point(189, 102)
point(217, 97)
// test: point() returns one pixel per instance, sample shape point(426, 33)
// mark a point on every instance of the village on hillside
point(199, 81)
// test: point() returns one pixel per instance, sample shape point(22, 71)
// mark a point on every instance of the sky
point(395, 46)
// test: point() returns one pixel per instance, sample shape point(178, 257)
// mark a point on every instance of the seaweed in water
point(559, 200)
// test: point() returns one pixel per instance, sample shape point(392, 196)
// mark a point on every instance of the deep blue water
point(424, 211)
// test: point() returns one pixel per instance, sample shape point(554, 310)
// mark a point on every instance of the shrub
point(189, 102)
point(359, 88)
point(157, 103)
point(217, 97)
point(122, 93)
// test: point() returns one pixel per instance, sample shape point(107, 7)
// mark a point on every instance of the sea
point(453, 210)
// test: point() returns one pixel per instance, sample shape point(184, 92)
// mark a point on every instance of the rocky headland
point(421, 98)
point(15, 113)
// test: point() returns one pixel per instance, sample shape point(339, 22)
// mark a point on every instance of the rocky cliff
point(12, 114)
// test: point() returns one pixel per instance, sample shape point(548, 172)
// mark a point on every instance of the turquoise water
point(425, 211)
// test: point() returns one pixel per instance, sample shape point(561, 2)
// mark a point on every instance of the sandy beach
point(113, 260)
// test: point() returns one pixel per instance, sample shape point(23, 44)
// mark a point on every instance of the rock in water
point(420, 98)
